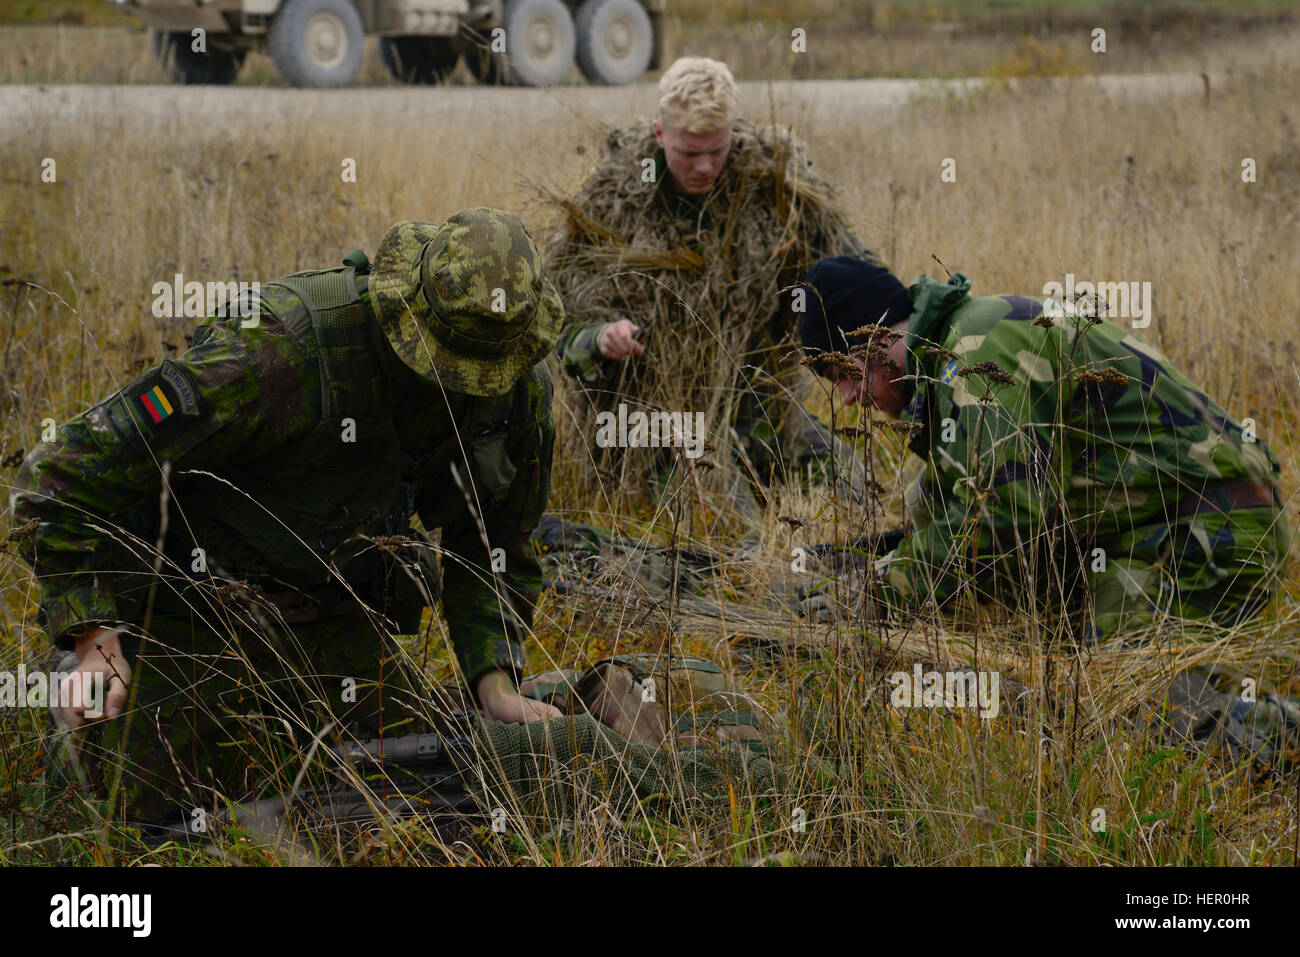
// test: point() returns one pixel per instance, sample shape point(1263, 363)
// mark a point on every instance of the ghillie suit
point(709, 282)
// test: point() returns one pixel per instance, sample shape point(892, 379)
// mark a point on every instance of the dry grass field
point(1050, 180)
point(845, 38)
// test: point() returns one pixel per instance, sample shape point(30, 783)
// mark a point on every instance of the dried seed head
point(989, 370)
point(20, 534)
point(875, 333)
point(391, 543)
point(874, 354)
point(837, 365)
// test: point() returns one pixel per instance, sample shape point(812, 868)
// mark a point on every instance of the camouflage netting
point(705, 287)
point(549, 769)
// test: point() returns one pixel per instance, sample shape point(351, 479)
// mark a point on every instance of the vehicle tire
point(484, 65)
point(183, 65)
point(616, 41)
point(540, 42)
point(418, 59)
point(316, 42)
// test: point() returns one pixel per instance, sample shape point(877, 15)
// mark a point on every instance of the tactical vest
point(289, 519)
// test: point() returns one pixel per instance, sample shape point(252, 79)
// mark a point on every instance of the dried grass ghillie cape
point(704, 279)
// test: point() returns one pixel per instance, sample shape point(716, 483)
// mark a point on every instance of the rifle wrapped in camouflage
point(572, 551)
point(415, 775)
point(475, 769)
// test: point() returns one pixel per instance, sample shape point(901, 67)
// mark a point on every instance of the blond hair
point(697, 95)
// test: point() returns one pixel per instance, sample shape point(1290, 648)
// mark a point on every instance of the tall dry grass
point(1049, 180)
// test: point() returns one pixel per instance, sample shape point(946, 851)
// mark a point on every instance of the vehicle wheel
point(177, 56)
point(540, 41)
point(484, 65)
point(418, 59)
point(615, 41)
point(316, 42)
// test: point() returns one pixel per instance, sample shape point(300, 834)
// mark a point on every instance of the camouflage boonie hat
point(464, 303)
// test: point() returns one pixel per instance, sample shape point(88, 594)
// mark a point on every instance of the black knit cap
point(846, 293)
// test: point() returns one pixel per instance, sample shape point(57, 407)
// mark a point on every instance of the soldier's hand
point(501, 702)
point(99, 652)
point(615, 340)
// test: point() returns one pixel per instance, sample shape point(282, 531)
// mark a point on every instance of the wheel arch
point(368, 9)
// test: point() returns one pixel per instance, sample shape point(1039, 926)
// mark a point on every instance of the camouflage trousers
point(232, 714)
point(1218, 568)
point(1215, 566)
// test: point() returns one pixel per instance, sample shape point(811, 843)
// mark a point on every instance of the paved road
point(26, 109)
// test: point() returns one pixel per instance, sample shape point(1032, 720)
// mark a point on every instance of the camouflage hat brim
point(407, 317)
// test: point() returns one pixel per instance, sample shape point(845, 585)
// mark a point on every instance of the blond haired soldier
point(672, 260)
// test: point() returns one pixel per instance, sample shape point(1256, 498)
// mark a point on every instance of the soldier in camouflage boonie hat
point(465, 303)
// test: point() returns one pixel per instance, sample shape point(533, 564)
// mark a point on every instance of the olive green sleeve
point(580, 355)
point(491, 574)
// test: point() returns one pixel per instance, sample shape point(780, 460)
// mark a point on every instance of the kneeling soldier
point(1058, 448)
point(278, 464)
point(1067, 465)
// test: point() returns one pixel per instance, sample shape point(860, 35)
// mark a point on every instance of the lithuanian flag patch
point(155, 404)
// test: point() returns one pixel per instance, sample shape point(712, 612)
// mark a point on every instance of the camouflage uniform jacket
point(1088, 433)
point(237, 416)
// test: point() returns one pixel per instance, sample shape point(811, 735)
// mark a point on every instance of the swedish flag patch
point(949, 371)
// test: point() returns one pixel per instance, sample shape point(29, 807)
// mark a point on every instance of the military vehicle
point(319, 42)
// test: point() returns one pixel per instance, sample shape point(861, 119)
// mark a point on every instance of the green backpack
point(317, 501)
